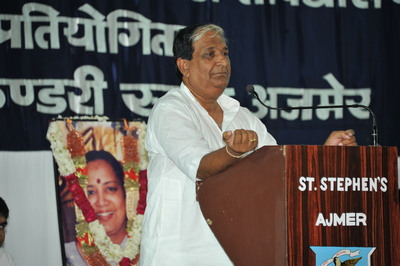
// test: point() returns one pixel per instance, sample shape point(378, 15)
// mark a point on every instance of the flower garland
point(91, 236)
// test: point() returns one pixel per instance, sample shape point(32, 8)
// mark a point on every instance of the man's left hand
point(341, 138)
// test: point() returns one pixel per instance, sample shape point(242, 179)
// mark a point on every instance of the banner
point(114, 59)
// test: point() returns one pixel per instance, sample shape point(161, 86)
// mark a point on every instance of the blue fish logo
point(336, 256)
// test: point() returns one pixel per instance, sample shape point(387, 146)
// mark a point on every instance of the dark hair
point(186, 37)
point(110, 159)
point(3, 209)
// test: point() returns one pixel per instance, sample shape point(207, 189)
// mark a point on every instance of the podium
point(282, 205)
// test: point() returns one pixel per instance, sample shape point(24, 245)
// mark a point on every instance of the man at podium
point(193, 133)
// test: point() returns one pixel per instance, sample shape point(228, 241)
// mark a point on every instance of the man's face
point(209, 71)
point(3, 223)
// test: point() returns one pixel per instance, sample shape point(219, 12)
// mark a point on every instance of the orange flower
point(87, 239)
point(131, 174)
point(83, 170)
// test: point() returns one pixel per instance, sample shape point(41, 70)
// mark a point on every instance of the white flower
point(60, 152)
point(113, 253)
point(144, 160)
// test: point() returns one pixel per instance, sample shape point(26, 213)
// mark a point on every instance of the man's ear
point(183, 66)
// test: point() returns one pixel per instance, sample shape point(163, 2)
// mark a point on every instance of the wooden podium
point(271, 207)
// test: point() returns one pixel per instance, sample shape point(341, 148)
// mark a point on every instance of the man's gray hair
point(202, 30)
point(186, 37)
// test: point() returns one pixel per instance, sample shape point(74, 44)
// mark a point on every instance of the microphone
point(250, 89)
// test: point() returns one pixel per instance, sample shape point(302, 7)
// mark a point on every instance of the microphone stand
point(250, 89)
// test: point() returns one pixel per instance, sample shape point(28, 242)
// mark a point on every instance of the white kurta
point(5, 258)
point(179, 133)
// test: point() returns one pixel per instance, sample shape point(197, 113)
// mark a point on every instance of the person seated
point(6, 259)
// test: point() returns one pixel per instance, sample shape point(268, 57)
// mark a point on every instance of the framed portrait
point(102, 185)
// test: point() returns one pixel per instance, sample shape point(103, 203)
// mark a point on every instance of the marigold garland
point(91, 235)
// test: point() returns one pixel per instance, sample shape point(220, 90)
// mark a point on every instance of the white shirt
point(5, 258)
point(179, 133)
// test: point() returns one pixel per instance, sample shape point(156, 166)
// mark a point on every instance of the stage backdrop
point(114, 58)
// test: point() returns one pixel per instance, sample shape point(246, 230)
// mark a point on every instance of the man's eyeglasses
point(3, 225)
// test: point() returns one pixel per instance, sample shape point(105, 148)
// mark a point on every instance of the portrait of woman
point(106, 194)
point(103, 188)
